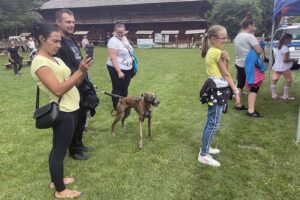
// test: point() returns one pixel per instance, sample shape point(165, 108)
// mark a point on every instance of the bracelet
point(237, 91)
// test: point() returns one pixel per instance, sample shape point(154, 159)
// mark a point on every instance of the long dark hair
point(211, 32)
point(248, 20)
point(284, 38)
point(39, 29)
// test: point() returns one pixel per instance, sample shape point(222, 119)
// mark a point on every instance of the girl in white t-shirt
point(282, 66)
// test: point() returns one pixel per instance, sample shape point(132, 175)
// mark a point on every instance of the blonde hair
point(213, 31)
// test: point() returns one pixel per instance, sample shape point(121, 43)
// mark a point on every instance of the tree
point(17, 16)
point(229, 13)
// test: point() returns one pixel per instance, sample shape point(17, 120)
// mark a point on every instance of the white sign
point(159, 38)
point(145, 43)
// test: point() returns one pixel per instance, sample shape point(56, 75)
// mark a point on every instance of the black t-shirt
point(13, 52)
point(75, 50)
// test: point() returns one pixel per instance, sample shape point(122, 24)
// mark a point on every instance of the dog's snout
point(156, 102)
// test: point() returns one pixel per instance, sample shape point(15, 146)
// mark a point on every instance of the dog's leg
point(118, 117)
point(141, 135)
point(149, 129)
point(127, 113)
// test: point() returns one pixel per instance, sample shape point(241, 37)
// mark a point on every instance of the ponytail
point(205, 46)
point(248, 20)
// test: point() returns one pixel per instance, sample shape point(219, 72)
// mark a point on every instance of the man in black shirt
point(71, 55)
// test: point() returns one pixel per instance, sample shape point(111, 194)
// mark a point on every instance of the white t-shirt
point(123, 55)
point(243, 43)
point(31, 44)
point(279, 65)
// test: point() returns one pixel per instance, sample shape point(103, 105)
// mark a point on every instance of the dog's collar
point(147, 113)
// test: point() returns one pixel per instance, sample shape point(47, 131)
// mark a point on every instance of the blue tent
point(286, 8)
point(283, 8)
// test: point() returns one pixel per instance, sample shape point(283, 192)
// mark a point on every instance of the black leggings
point(17, 62)
point(119, 86)
point(62, 136)
point(241, 79)
point(76, 142)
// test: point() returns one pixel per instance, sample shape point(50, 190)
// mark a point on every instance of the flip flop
point(67, 181)
point(276, 97)
point(70, 194)
point(288, 98)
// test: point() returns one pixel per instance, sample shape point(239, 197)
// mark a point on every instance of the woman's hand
point(85, 64)
point(225, 55)
point(121, 74)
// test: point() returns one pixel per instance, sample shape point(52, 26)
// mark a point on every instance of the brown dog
point(142, 105)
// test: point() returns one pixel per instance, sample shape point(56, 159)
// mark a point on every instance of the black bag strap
point(37, 100)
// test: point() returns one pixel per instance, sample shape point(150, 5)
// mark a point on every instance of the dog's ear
point(142, 94)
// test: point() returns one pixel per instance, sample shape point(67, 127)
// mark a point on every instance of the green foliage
point(17, 16)
point(259, 157)
point(229, 13)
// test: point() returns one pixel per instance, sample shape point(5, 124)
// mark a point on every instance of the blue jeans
point(213, 120)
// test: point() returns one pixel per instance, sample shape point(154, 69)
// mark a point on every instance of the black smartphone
point(90, 55)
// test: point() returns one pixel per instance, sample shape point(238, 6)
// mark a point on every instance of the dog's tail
point(112, 111)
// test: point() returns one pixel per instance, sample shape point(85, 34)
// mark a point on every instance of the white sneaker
point(213, 151)
point(208, 160)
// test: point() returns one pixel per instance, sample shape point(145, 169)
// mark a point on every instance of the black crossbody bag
point(47, 115)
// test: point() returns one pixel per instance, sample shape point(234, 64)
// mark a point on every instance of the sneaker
point(208, 160)
point(213, 151)
point(240, 108)
point(254, 114)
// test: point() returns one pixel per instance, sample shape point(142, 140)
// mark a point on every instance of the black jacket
point(88, 96)
point(209, 93)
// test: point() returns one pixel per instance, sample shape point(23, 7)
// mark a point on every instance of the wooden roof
point(57, 4)
point(154, 19)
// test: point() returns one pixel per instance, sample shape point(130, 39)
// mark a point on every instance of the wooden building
point(140, 16)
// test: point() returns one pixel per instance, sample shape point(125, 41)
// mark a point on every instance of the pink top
point(259, 78)
point(85, 42)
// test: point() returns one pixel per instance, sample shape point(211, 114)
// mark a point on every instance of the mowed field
point(259, 158)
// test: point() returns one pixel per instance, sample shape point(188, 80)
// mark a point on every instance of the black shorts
point(241, 79)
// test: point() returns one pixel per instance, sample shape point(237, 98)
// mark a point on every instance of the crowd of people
point(61, 72)
point(250, 75)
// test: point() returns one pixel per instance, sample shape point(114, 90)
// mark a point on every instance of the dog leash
point(109, 94)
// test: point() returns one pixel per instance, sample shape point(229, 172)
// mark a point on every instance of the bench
point(9, 65)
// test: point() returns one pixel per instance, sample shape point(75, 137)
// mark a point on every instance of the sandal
point(277, 97)
point(288, 98)
point(254, 114)
point(70, 194)
point(67, 181)
point(240, 108)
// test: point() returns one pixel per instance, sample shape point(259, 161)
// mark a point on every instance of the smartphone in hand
point(90, 55)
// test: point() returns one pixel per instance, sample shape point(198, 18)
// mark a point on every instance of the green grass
point(259, 158)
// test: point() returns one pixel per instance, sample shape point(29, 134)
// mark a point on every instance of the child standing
point(282, 66)
point(219, 81)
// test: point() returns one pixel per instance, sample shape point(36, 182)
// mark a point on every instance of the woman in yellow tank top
point(55, 79)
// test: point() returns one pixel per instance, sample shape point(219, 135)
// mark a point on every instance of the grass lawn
point(259, 157)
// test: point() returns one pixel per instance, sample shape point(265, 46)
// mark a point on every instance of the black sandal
point(254, 114)
point(240, 108)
